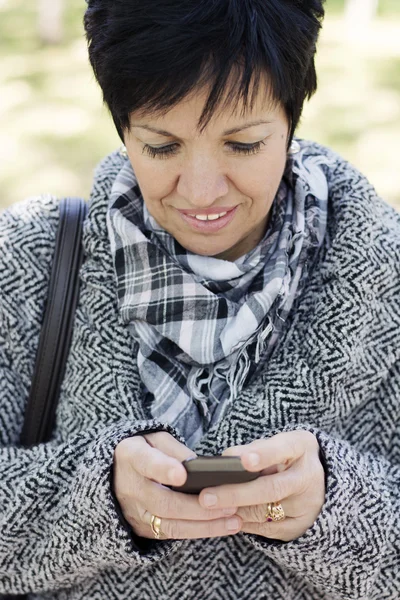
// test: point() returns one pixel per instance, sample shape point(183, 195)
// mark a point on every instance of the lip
point(209, 226)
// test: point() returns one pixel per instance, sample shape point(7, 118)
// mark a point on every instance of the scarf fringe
point(234, 371)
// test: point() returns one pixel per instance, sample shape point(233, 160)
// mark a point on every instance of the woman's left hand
point(291, 474)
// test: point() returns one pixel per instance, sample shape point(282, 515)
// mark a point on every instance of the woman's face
point(211, 191)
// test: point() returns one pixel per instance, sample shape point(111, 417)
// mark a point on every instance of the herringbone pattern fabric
point(335, 372)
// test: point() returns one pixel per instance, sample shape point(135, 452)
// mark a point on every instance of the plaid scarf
point(203, 324)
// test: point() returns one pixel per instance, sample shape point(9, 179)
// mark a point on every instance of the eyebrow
point(227, 132)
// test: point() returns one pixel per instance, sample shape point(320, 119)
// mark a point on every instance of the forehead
point(230, 111)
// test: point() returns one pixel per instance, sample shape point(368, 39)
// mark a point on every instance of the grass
point(54, 130)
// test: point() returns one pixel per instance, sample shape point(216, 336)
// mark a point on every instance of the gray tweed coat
point(335, 372)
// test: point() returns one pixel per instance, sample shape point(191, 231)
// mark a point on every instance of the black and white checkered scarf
point(204, 324)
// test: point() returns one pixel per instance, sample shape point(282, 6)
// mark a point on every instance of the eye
point(172, 149)
point(246, 148)
point(162, 151)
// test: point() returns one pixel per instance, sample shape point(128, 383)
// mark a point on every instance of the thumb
point(166, 443)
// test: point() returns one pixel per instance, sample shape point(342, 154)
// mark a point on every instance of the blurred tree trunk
point(51, 20)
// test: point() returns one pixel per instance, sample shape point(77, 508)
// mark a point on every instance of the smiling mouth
point(209, 217)
point(210, 221)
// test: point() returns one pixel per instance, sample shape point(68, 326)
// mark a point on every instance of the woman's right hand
point(143, 466)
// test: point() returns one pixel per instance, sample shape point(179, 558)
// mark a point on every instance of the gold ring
point(155, 524)
point(274, 512)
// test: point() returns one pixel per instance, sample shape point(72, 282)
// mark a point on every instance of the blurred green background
point(53, 128)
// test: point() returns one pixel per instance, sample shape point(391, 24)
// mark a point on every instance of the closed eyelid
point(172, 149)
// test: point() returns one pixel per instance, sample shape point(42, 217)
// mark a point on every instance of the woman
point(239, 296)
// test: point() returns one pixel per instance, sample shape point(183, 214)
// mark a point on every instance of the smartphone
point(209, 471)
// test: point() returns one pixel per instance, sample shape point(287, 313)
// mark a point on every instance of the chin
point(205, 250)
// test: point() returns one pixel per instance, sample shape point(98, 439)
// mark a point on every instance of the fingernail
point(210, 500)
point(253, 459)
point(228, 512)
point(232, 524)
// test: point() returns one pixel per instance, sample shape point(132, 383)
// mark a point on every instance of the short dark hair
point(151, 54)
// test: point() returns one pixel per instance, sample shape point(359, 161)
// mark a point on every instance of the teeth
point(209, 217)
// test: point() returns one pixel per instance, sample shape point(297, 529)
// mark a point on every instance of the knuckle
point(296, 447)
point(128, 452)
point(209, 527)
point(160, 437)
point(148, 465)
point(151, 438)
point(143, 514)
point(123, 495)
point(134, 519)
point(210, 515)
point(303, 441)
point(123, 488)
point(128, 497)
point(311, 439)
point(256, 513)
point(123, 451)
point(171, 530)
point(304, 485)
point(259, 513)
point(142, 465)
point(233, 498)
point(165, 505)
point(310, 480)
point(278, 491)
point(301, 481)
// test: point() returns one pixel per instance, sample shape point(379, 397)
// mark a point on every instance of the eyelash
point(171, 150)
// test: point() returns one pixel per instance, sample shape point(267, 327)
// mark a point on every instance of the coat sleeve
point(353, 549)
point(59, 520)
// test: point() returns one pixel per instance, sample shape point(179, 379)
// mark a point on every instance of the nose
point(202, 182)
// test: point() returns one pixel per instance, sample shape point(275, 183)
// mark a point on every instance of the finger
point(236, 451)
point(281, 449)
point(166, 443)
point(138, 516)
point(182, 530)
point(269, 488)
point(150, 462)
point(258, 513)
point(169, 504)
point(286, 531)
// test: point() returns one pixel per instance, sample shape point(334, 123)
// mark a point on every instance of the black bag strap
point(56, 333)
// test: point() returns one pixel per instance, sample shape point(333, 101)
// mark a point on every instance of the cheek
point(155, 183)
point(260, 184)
